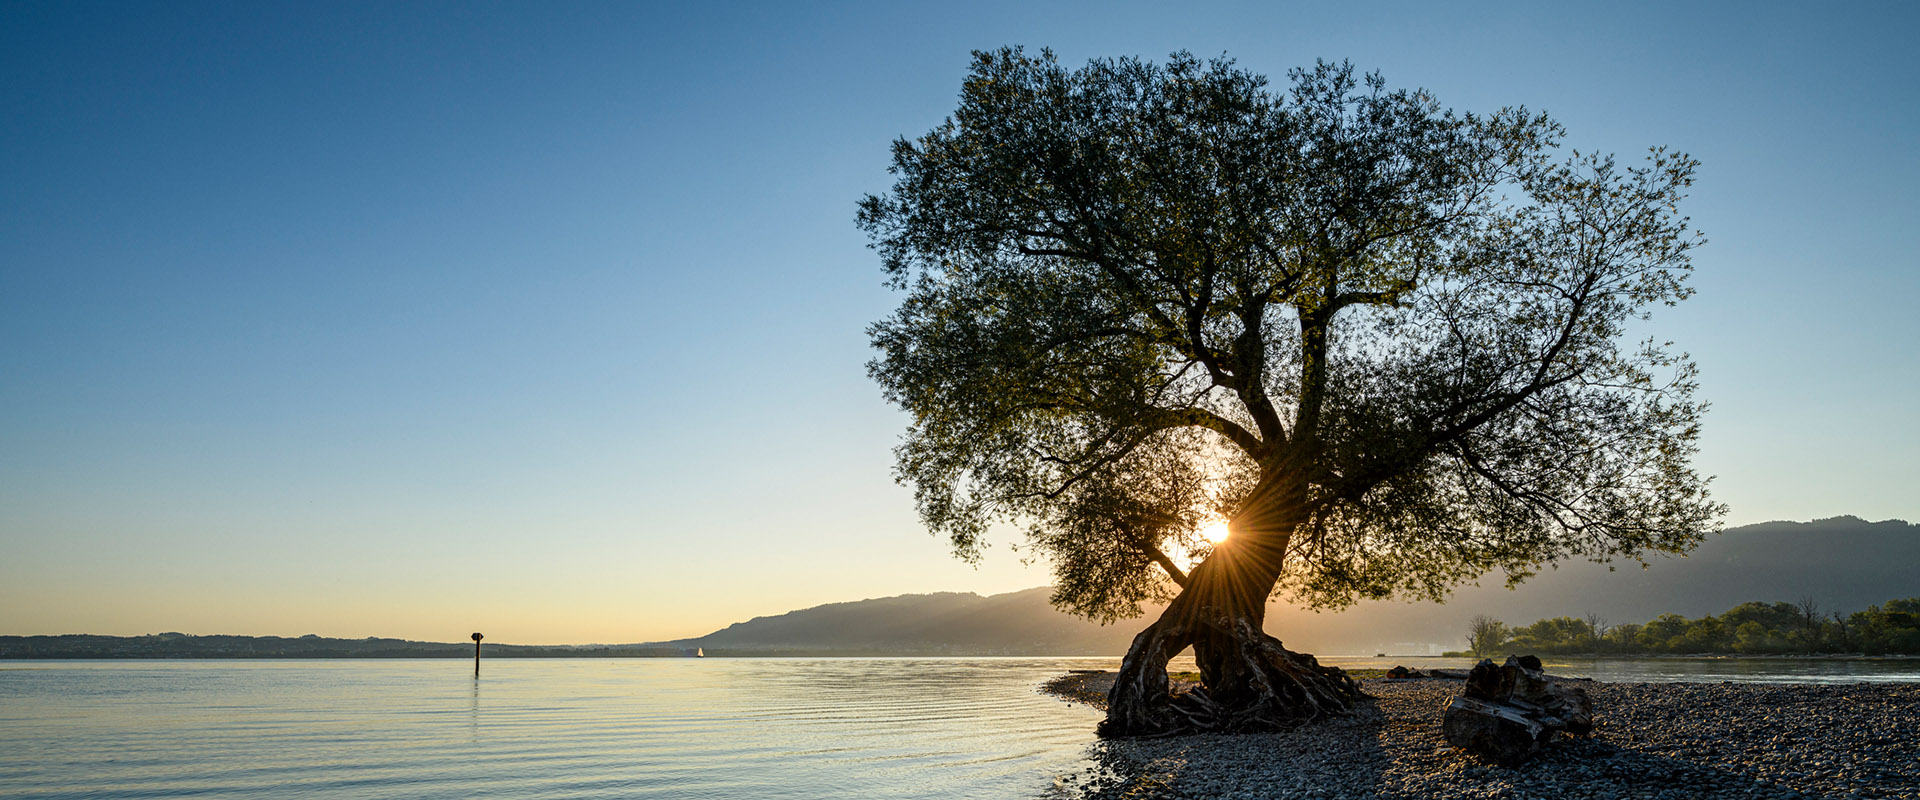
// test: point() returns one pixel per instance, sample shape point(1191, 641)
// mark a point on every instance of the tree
point(1761, 627)
point(1624, 638)
point(1556, 635)
point(1664, 634)
point(1596, 631)
point(1842, 637)
point(1379, 338)
point(1485, 635)
point(1707, 634)
point(1892, 628)
point(1810, 622)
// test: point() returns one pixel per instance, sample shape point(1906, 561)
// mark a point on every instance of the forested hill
point(1843, 563)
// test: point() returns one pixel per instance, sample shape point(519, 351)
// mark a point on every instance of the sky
point(548, 320)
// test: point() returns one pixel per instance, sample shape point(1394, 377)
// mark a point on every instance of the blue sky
point(403, 319)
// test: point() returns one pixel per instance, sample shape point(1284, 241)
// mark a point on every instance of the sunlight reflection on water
point(588, 728)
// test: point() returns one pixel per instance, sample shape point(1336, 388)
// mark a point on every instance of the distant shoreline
point(220, 646)
point(96, 648)
point(619, 655)
point(1709, 656)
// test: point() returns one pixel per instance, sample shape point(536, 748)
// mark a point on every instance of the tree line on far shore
point(1752, 628)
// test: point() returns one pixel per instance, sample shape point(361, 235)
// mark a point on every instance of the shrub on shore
point(1753, 628)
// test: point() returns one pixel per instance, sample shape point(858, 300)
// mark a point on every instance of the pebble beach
point(1654, 741)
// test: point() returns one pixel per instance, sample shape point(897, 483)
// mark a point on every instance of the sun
point(1215, 533)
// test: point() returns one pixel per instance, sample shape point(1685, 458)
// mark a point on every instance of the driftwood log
point(1508, 712)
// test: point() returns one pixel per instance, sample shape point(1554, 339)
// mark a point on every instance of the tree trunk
point(1249, 681)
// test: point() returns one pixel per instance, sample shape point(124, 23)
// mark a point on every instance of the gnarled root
point(1252, 682)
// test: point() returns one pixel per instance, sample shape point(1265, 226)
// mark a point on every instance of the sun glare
point(1215, 533)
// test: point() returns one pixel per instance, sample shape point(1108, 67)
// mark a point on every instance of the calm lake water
point(593, 728)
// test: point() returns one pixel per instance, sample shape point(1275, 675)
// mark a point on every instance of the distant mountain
point(1843, 563)
point(1016, 623)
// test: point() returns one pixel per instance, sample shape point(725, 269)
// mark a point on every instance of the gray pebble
point(1655, 741)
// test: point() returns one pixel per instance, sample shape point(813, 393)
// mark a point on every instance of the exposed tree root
point(1252, 683)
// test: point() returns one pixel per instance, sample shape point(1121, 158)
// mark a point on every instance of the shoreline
point(514, 651)
point(1652, 741)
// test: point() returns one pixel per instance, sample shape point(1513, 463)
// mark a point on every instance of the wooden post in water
point(476, 655)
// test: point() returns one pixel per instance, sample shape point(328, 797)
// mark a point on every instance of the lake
point(602, 728)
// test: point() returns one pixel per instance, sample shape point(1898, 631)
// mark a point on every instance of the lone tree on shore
point(1485, 635)
point(1379, 338)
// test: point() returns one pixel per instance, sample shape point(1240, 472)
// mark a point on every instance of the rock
point(1411, 674)
point(1507, 713)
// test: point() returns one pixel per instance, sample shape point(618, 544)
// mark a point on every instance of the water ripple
point(663, 729)
point(643, 728)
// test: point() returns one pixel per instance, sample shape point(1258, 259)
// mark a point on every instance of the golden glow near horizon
point(205, 437)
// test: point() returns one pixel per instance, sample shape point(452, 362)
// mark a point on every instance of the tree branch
point(1246, 440)
point(1158, 557)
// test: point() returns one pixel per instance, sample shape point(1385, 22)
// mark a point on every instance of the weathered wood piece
point(1507, 713)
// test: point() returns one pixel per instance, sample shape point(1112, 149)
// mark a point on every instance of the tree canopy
point(1139, 296)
